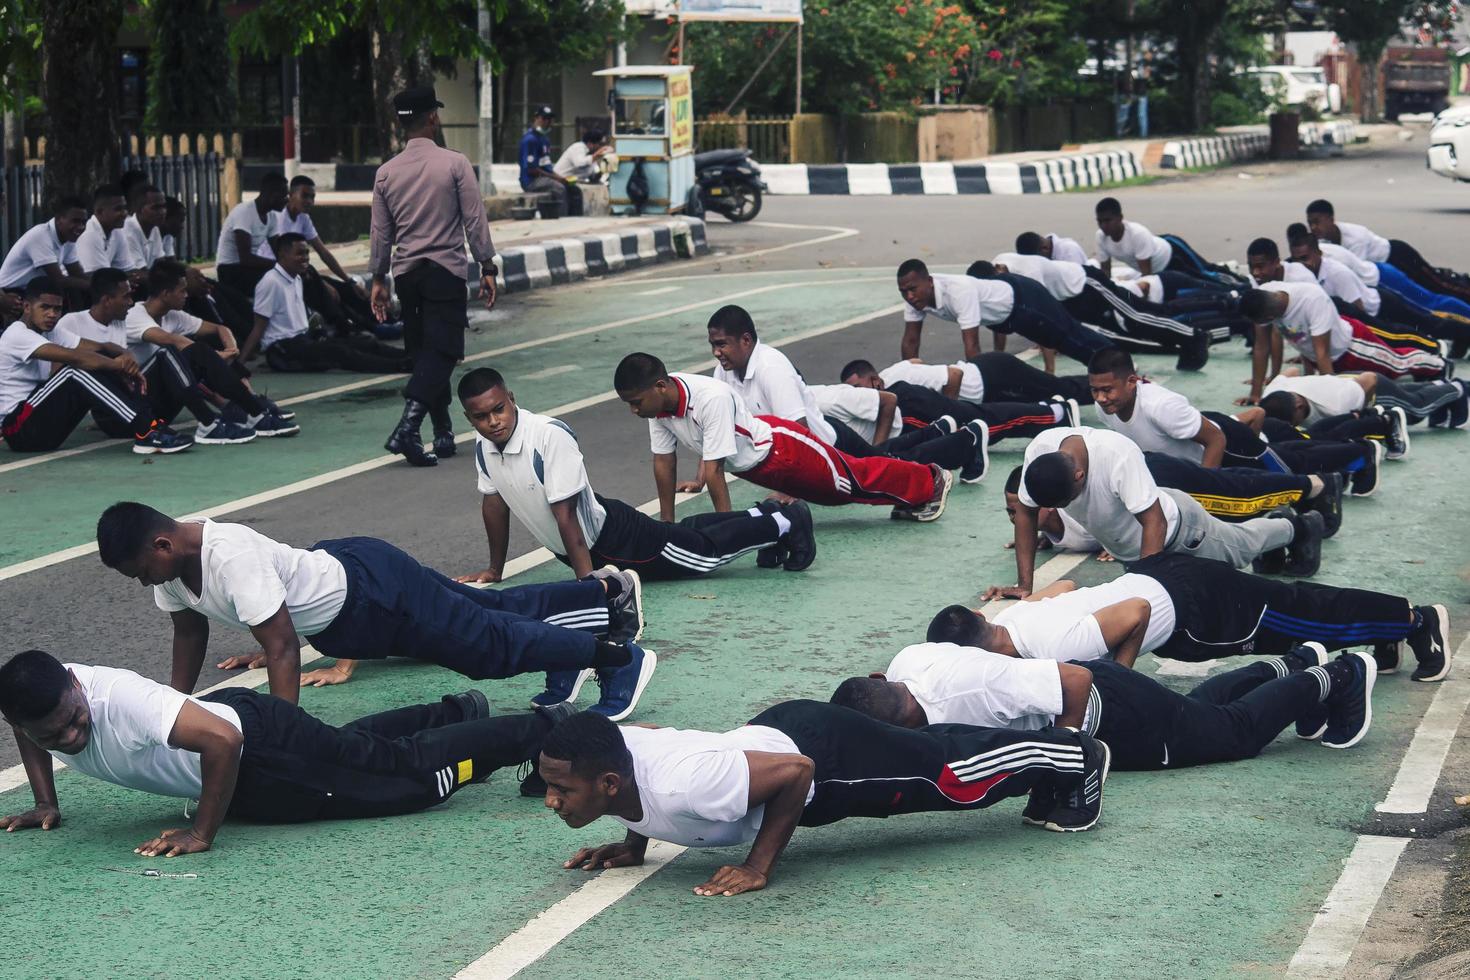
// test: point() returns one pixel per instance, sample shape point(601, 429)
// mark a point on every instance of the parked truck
point(1415, 80)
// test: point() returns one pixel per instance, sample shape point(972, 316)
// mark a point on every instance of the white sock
point(1057, 413)
point(783, 524)
point(755, 512)
point(1316, 487)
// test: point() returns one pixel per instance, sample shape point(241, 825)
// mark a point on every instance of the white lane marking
point(1419, 772)
point(551, 372)
point(658, 291)
point(1329, 945)
point(539, 936)
point(838, 233)
point(332, 476)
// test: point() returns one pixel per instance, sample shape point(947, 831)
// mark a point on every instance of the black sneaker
point(801, 540)
point(974, 471)
point(775, 555)
point(1350, 702)
point(1272, 562)
point(625, 613)
point(1398, 432)
point(1430, 643)
point(1304, 554)
point(1195, 352)
point(1328, 503)
point(1365, 480)
point(1080, 809)
point(1304, 657)
point(1039, 804)
point(472, 704)
point(1460, 410)
point(1386, 656)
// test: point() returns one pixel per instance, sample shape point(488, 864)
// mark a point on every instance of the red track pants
point(807, 468)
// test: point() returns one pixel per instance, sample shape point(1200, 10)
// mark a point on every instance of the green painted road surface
point(1210, 872)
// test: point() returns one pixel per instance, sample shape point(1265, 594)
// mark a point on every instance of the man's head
point(1322, 219)
point(43, 699)
point(1261, 306)
point(915, 284)
point(594, 138)
point(292, 252)
point(70, 214)
point(643, 383)
point(1109, 214)
point(273, 191)
point(167, 284)
point(141, 543)
point(878, 697)
point(545, 117)
point(109, 207)
point(111, 295)
point(732, 338)
point(586, 766)
point(959, 625)
point(302, 194)
point(1055, 479)
point(488, 404)
point(130, 181)
point(1264, 260)
point(1030, 243)
point(41, 304)
point(981, 269)
point(174, 213)
point(1013, 493)
point(1113, 380)
point(1304, 246)
point(417, 110)
point(1286, 406)
point(861, 374)
point(148, 205)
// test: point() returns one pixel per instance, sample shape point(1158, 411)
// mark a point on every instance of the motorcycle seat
point(716, 158)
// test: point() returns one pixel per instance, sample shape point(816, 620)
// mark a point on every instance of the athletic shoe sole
point(1401, 426)
point(983, 448)
point(1370, 676)
point(143, 449)
point(1444, 644)
point(275, 433)
point(216, 441)
point(583, 676)
point(645, 674)
point(946, 484)
point(1102, 782)
point(637, 601)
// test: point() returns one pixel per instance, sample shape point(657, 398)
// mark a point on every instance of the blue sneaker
point(561, 686)
point(161, 440)
point(1350, 701)
point(1305, 656)
point(269, 425)
point(623, 686)
point(222, 433)
point(388, 330)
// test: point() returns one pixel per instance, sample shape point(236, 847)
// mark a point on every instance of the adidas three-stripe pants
point(45, 419)
point(694, 546)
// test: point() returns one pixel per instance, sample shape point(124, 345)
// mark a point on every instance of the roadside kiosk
point(653, 135)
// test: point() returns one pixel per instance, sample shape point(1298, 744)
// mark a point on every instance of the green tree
point(79, 89)
point(1369, 26)
point(191, 74)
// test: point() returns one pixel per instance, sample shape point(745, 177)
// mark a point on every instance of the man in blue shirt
point(537, 175)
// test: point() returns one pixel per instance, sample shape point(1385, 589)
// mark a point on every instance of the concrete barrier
point(1046, 175)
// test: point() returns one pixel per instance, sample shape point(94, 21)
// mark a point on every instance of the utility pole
point(487, 112)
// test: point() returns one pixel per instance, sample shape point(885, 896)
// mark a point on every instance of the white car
point(1449, 143)
point(1299, 85)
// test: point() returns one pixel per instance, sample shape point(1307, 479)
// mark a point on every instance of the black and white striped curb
point(1043, 176)
point(1209, 151)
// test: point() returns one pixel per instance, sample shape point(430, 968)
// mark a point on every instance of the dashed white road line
point(657, 291)
point(551, 372)
point(1422, 763)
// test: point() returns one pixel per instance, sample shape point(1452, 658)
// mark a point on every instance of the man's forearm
point(39, 770)
point(283, 669)
point(1154, 531)
point(188, 658)
point(219, 768)
point(971, 339)
point(497, 533)
point(1259, 352)
point(782, 815)
point(712, 475)
point(1025, 549)
point(664, 478)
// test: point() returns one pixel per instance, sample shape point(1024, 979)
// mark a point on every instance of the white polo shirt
point(32, 252)
point(147, 248)
point(1344, 284)
point(1064, 628)
point(20, 372)
point(712, 420)
point(132, 719)
point(695, 786)
point(1326, 394)
point(139, 321)
point(1119, 487)
point(966, 301)
point(82, 325)
point(1163, 421)
point(281, 222)
point(936, 376)
point(1136, 245)
point(247, 577)
point(1062, 279)
point(857, 407)
point(1310, 313)
point(1367, 271)
point(1064, 249)
point(958, 685)
point(540, 465)
point(771, 385)
point(1290, 272)
point(98, 249)
point(280, 299)
point(242, 217)
point(1362, 242)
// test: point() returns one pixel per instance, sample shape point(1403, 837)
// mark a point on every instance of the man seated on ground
point(244, 230)
point(244, 754)
point(283, 331)
point(50, 378)
point(49, 249)
point(710, 418)
point(143, 227)
point(1232, 716)
point(1366, 245)
point(208, 299)
point(363, 598)
point(993, 377)
point(1056, 247)
point(1100, 478)
point(103, 244)
point(341, 301)
point(1005, 304)
point(801, 763)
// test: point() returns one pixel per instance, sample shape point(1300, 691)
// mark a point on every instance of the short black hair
point(165, 275)
point(981, 269)
point(1013, 481)
point(1049, 479)
point(859, 367)
point(593, 136)
point(105, 282)
point(638, 372)
point(1265, 247)
point(272, 180)
point(956, 624)
point(1321, 206)
point(1255, 305)
point(1299, 234)
point(301, 180)
point(871, 696)
point(31, 685)
point(131, 180)
point(139, 190)
point(279, 243)
point(41, 286)
point(1112, 360)
point(1108, 205)
point(1280, 405)
point(69, 202)
point(732, 321)
point(1028, 243)
point(591, 743)
point(105, 191)
point(174, 206)
point(912, 265)
point(478, 381)
point(125, 528)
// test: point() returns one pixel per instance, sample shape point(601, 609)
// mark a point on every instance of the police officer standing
point(426, 204)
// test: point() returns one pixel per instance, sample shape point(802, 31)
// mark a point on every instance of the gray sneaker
point(943, 483)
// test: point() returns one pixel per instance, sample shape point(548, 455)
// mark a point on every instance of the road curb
point(1210, 151)
point(1045, 175)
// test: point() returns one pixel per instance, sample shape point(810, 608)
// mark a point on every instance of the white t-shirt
point(1362, 242)
point(32, 252)
point(1367, 271)
point(695, 786)
point(147, 249)
point(540, 465)
point(576, 161)
point(858, 407)
point(1137, 245)
point(712, 420)
point(936, 376)
point(967, 301)
point(1119, 487)
point(82, 325)
point(1163, 421)
point(280, 223)
point(1310, 313)
point(958, 685)
point(1074, 536)
point(1326, 394)
point(1064, 249)
point(97, 249)
point(1343, 283)
point(247, 577)
point(169, 246)
point(772, 386)
point(20, 373)
point(279, 298)
point(1064, 628)
point(139, 322)
point(132, 718)
point(1290, 272)
point(242, 217)
point(1062, 279)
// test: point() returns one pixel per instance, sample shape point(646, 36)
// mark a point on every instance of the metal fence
point(22, 208)
point(768, 137)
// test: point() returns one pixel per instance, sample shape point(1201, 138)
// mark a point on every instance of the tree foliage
point(191, 75)
point(1370, 25)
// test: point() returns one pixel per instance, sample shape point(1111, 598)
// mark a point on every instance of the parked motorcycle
point(728, 182)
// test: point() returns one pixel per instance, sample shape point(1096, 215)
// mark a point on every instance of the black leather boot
point(443, 431)
point(405, 439)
